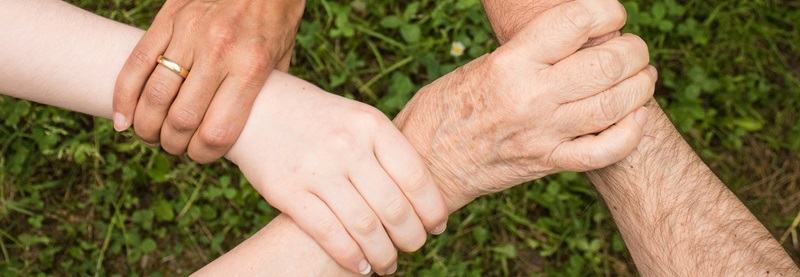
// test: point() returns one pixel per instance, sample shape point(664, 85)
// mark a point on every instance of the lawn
point(77, 198)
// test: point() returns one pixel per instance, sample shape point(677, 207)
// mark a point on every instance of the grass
point(76, 198)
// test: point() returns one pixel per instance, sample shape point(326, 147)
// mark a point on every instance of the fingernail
point(392, 269)
point(438, 230)
point(119, 122)
point(364, 267)
point(641, 115)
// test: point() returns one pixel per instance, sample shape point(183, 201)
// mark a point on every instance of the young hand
point(342, 171)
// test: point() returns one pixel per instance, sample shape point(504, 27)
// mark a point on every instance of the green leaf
point(505, 251)
point(160, 169)
point(410, 33)
point(411, 11)
point(399, 92)
point(31, 239)
point(392, 22)
point(666, 25)
point(163, 210)
point(148, 246)
point(480, 234)
point(658, 10)
point(749, 124)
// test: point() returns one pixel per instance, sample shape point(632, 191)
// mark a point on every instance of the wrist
point(662, 158)
point(446, 122)
point(508, 17)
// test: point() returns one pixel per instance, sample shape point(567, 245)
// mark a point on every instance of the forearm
point(509, 16)
point(72, 62)
point(56, 54)
point(678, 218)
point(279, 249)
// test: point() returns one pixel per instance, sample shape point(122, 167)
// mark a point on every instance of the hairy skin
point(676, 216)
point(87, 87)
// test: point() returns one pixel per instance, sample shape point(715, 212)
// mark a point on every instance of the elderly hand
point(229, 47)
point(536, 106)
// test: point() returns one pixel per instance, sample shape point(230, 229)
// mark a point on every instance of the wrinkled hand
point(340, 169)
point(535, 106)
point(229, 47)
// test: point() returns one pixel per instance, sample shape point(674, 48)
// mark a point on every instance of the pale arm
point(59, 55)
point(676, 216)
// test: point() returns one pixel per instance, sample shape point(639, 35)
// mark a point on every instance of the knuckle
point(608, 110)
point(157, 93)
point(255, 70)
point(203, 156)
point(222, 34)
point(579, 161)
point(618, 12)
point(140, 60)
point(396, 211)
point(438, 213)
point(608, 68)
point(325, 230)
point(417, 241)
point(171, 147)
point(370, 118)
point(589, 161)
point(417, 180)
point(184, 120)
point(577, 15)
point(342, 141)
point(646, 87)
point(385, 261)
point(217, 136)
point(640, 46)
point(148, 134)
point(366, 224)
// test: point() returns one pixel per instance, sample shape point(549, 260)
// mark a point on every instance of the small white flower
point(457, 49)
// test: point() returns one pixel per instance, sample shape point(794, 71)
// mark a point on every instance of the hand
point(536, 106)
point(338, 166)
point(229, 48)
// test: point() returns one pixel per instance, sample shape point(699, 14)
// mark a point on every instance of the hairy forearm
point(678, 218)
point(508, 17)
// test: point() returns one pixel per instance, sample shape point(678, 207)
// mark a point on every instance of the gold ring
point(172, 66)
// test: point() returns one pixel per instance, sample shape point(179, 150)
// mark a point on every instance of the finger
point(317, 219)
point(362, 223)
point(137, 69)
point(601, 39)
point(593, 70)
point(404, 165)
point(187, 111)
point(390, 204)
point(597, 151)
point(560, 31)
point(608, 107)
point(159, 93)
point(283, 64)
point(225, 118)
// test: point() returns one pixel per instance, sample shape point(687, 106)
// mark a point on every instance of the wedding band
point(172, 66)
